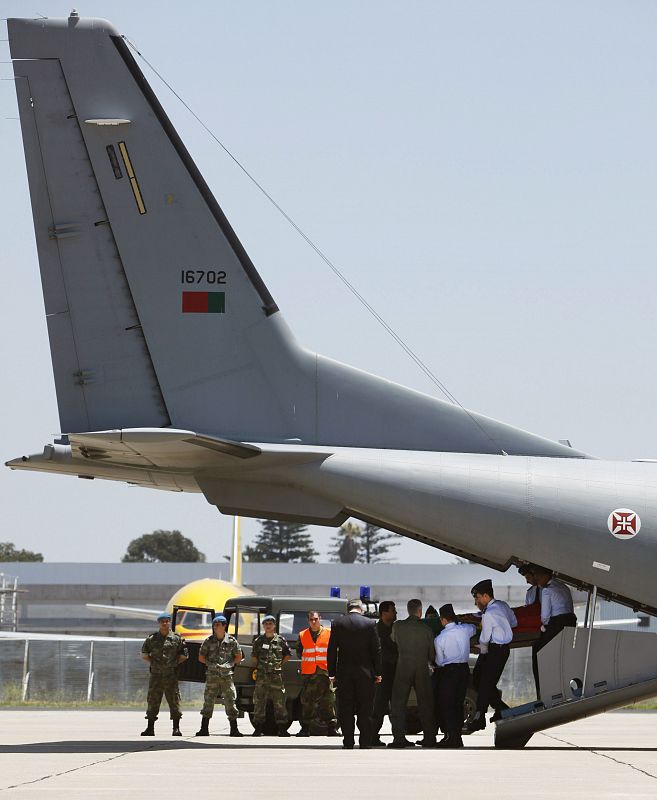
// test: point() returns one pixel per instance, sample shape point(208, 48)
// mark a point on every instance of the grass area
point(11, 697)
point(643, 705)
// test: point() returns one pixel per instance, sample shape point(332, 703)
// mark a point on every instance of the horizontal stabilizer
point(157, 447)
point(159, 458)
point(145, 448)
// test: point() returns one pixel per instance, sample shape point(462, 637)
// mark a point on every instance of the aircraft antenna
point(336, 271)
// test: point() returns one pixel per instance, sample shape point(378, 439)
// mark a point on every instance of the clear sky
point(484, 173)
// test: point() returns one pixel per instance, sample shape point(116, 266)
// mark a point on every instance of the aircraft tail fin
point(156, 315)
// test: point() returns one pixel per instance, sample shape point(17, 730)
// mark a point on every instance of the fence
point(78, 671)
point(8, 602)
point(113, 671)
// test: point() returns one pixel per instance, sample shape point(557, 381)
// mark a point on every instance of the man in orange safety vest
point(317, 696)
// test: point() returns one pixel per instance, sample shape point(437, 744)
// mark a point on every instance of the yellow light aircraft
point(202, 593)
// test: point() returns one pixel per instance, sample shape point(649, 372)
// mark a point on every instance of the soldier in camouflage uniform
point(317, 695)
point(220, 652)
point(270, 652)
point(163, 650)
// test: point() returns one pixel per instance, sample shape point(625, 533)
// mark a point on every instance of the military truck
point(244, 615)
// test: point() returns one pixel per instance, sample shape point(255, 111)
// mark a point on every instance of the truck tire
point(469, 706)
point(270, 727)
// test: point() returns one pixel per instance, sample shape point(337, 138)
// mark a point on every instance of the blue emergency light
point(365, 593)
point(335, 591)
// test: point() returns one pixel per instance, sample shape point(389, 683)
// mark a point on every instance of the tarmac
point(96, 754)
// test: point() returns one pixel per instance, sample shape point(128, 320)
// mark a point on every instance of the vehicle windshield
point(291, 623)
point(194, 620)
point(244, 624)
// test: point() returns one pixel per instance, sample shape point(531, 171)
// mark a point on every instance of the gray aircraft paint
point(333, 441)
point(239, 374)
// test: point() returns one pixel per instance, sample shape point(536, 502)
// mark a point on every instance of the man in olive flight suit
point(270, 652)
point(220, 653)
point(163, 650)
point(415, 648)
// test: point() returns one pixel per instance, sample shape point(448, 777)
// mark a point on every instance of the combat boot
point(234, 730)
point(400, 743)
point(150, 728)
point(176, 728)
point(283, 731)
point(445, 741)
point(455, 742)
point(257, 731)
point(205, 730)
point(332, 731)
point(305, 730)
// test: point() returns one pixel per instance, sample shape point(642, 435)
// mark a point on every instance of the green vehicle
point(245, 615)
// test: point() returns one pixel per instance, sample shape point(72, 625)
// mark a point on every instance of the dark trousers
point(435, 687)
point(355, 692)
point(452, 687)
point(486, 674)
point(408, 676)
point(382, 697)
point(552, 629)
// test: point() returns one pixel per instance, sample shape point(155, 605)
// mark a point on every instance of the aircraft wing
point(126, 611)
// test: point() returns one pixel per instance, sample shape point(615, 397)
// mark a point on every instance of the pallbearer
point(452, 654)
point(533, 594)
point(220, 653)
point(497, 621)
point(556, 613)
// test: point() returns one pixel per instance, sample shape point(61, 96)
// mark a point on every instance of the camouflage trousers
point(219, 684)
point(317, 700)
point(166, 685)
point(269, 686)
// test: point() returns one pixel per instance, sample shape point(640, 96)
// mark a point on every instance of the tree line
point(276, 542)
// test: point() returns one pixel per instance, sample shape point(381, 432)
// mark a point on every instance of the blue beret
point(164, 615)
point(219, 618)
point(269, 618)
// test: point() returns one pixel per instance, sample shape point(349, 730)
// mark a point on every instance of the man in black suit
point(354, 657)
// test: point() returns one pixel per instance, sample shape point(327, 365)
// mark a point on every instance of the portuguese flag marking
point(204, 302)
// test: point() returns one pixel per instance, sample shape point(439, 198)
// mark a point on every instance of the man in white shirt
point(534, 591)
point(556, 614)
point(452, 653)
point(497, 621)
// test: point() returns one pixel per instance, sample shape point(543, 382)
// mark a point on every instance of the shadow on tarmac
point(131, 746)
